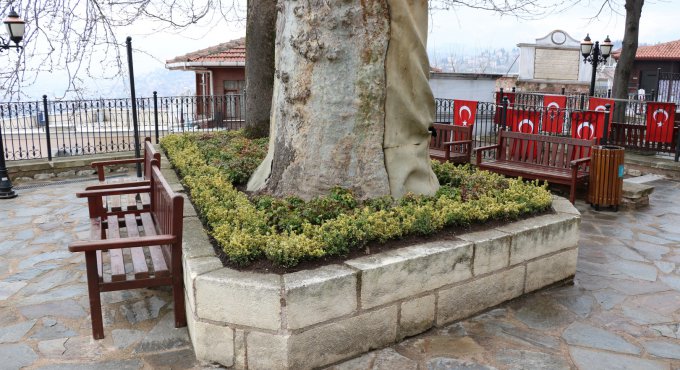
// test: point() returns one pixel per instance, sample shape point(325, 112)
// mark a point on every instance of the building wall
point(227, 74)
point(463, 86)
point(644, 73)
point(556, 64)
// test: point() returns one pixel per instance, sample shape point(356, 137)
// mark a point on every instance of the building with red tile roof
point(653, 63)
point(219, 69)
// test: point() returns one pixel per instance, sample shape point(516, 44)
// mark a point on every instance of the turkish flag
point(598, 104)
point(522, 120)
point(499, 105)
point(587, 125)
point(660, 118)
point(465, 112)
point(553, 117)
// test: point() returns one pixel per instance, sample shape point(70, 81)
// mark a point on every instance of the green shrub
point(289, 230)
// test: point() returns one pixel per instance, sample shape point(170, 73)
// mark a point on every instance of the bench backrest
point(167, 210)
point(150, 154)
point(549, 151)
point(448, 133)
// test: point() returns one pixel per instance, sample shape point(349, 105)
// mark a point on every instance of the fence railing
point(47, 129)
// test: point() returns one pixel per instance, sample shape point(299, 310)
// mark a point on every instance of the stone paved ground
point(622, 313)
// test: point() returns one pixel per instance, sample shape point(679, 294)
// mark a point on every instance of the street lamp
point(595, 54)
point(15, 28)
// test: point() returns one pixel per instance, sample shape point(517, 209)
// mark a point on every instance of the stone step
point(634, 190)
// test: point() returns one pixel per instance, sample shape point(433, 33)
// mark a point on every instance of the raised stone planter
point(313, 318)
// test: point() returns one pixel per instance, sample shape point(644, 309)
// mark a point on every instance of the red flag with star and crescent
point(466, 111)
point(553, 119)
point(522, 120)
point(660, 118)
point(587, 125)
point(499, 104)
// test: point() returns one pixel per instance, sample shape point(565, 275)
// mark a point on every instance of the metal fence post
point(658, 80)
point(155, 113)
point(47, 129)
point(609, 93)
point(504, 113)
point(605, 133)
point(128, 43)
point(563, 90)
point(583, 101)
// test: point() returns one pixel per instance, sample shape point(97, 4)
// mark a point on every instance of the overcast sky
point(461, 30)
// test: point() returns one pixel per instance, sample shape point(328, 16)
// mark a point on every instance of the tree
point(261, 33)
point(624, 66)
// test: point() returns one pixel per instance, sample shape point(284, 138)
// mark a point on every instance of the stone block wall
point(312, 318)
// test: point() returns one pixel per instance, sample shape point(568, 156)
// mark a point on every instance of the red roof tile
point(666, 51)
point(231, 51)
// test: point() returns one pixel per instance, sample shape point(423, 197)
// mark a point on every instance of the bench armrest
point(117, 191)
point(119, 185)
point(143, 241)
point(478, 151)
point(114, 162)
point(458, 142)
point(578, 162)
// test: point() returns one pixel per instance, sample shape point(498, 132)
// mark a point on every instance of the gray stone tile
point(13, 333)
point(513, 359)
point(442, 363)
point(635, 270)
point(9, 289)
point(134, 364)
point(16, 356)
point(663, 349)
point(182, 359)
point(596, 360)
point(542, 313)
point(589, 336)
point(124, 338)
point(164, 336)
point(52, 347)
point(142, 310)
point(66, 308)
point(51, 329)
point(608, 298)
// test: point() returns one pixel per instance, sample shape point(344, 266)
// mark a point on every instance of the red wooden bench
point(451, 143)
point(152, 240)
point(126, 201)
point(560, 160)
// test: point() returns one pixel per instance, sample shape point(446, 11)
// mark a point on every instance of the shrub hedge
point(289, 230)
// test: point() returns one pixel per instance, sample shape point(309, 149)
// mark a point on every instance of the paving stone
point(49, 281)
point(442, 363)
point(364, 362)
point(8, 289)
point(52, 347)
point(164, 336)
point(581, 304)
point(106, 365)
point(444, 346)
point(519, 360)
point(83, 348)
point(635, 270)
point(670, 331)
point(671, 281)
point(57, 294)
point(665, 267)
point(143, 310)
point(541, 313)
point(52, 329)
point(644, 316)
point(13, 333)
point(124, 338)
point(24, 275)
point(16, 356)
point(387, 359)
point(596, 360)
point(530, 338)
point(49, 256)
point(589, 336)
point(182, 359)
point(608, 298)
point(663, 349)
point(66, 308)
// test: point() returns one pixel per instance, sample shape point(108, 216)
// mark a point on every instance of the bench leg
point(178, 298)
point(93, 292)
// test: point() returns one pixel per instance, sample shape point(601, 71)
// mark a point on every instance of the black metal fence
point(47, 129)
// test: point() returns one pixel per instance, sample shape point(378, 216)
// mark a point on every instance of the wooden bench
point(451, 143)
point(127, 201)
point(134, 248)
point(561, 160)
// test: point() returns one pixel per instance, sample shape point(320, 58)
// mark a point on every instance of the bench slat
point(96, 234)
point(132, 202)
point(138, 258)
point(145, 200)
point(160, 267)
point(116, 255)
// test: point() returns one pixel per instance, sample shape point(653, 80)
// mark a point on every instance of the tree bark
point(260, 37)
point(351, 101)
point(624, 67)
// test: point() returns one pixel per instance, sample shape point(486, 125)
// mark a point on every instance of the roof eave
point(184, 66)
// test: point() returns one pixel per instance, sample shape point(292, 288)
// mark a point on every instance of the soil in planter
point(450, 233)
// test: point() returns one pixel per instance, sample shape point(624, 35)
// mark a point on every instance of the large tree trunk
point(351, 103)
point(260, 36)
point(624, 67)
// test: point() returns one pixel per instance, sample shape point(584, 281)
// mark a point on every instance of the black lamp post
point(15, 29)
point(595, 54)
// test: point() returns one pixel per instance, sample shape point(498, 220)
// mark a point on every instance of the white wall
point(463, 86)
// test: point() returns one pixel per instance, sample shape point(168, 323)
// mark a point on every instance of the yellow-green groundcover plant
point(289, 230)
